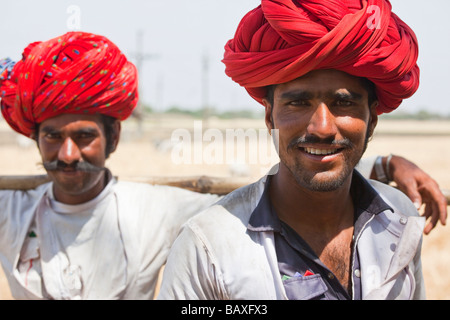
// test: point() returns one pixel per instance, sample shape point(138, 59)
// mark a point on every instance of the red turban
point(282, 40)
point(79, 73)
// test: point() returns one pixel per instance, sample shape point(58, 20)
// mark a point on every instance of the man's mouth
point(320, 152)
point(67, 169)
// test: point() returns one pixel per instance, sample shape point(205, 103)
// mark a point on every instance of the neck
point(84, 195)
point(311, 211)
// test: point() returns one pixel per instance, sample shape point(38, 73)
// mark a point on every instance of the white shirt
point(75, 236)
point(111, 247)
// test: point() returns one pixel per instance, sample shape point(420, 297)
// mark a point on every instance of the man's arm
point(414, 182)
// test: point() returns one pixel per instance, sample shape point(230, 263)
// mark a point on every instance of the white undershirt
point(74, 245)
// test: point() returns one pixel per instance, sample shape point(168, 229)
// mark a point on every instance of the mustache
point(345, 142)
point(77, 165)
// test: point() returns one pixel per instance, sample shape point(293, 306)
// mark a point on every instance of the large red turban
point(282, 40)
point(79, 73)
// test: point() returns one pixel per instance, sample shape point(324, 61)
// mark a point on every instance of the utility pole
point(140, 57)
point(205, 90)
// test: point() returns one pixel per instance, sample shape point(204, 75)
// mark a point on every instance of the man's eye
point(344, 103)
point(52, 135)
point(85, 135)
point(299, 103)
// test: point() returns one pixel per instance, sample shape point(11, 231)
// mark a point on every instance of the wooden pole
point(22, 182)
point(202, 184)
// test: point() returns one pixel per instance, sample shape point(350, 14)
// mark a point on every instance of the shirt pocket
point(305, 288)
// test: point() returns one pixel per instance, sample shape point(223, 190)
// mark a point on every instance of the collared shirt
point(304, 275)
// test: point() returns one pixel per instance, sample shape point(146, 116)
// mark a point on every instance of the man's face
point(324, 122)
point(73, 148)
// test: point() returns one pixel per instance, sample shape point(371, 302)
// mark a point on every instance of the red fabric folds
point(282, 40)
point(77, 72)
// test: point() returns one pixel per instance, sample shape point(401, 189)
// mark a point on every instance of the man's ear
point(35, 136)
point(373, 118)
point(268, 114)
point(116, 129)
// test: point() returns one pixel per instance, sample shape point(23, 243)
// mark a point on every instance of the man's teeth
point(320, 151)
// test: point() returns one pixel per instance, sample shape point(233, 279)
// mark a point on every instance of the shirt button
point(330, 276)
point(358, 273)
point(403, 220)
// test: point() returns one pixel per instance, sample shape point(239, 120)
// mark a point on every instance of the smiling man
point(324, 120)
point(314, 228)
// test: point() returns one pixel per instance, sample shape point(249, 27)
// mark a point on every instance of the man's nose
point(69, 151)
point(322, 123)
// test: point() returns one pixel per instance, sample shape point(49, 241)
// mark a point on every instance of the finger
point(442, 207)
point(432, 212)
point(434, 195)
point(413, 194)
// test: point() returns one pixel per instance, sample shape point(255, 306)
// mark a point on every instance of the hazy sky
point(180, 34)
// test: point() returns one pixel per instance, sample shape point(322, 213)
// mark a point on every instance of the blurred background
point(178, 45)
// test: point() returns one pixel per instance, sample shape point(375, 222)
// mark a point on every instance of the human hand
point(421, 189)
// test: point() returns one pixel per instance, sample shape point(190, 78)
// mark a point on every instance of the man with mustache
point(84, 235)
point(314, 228)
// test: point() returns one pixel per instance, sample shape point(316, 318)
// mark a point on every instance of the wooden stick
point(202, 184)
point(22, 182)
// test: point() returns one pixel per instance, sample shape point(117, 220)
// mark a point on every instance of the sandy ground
point(151, 154)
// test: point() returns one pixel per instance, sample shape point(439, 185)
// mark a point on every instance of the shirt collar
point(264, 217)
point(365, 198)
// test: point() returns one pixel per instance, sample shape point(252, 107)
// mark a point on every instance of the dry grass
point(425, 143)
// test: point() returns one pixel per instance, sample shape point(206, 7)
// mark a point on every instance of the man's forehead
point(323, 83)
point(72, 121)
